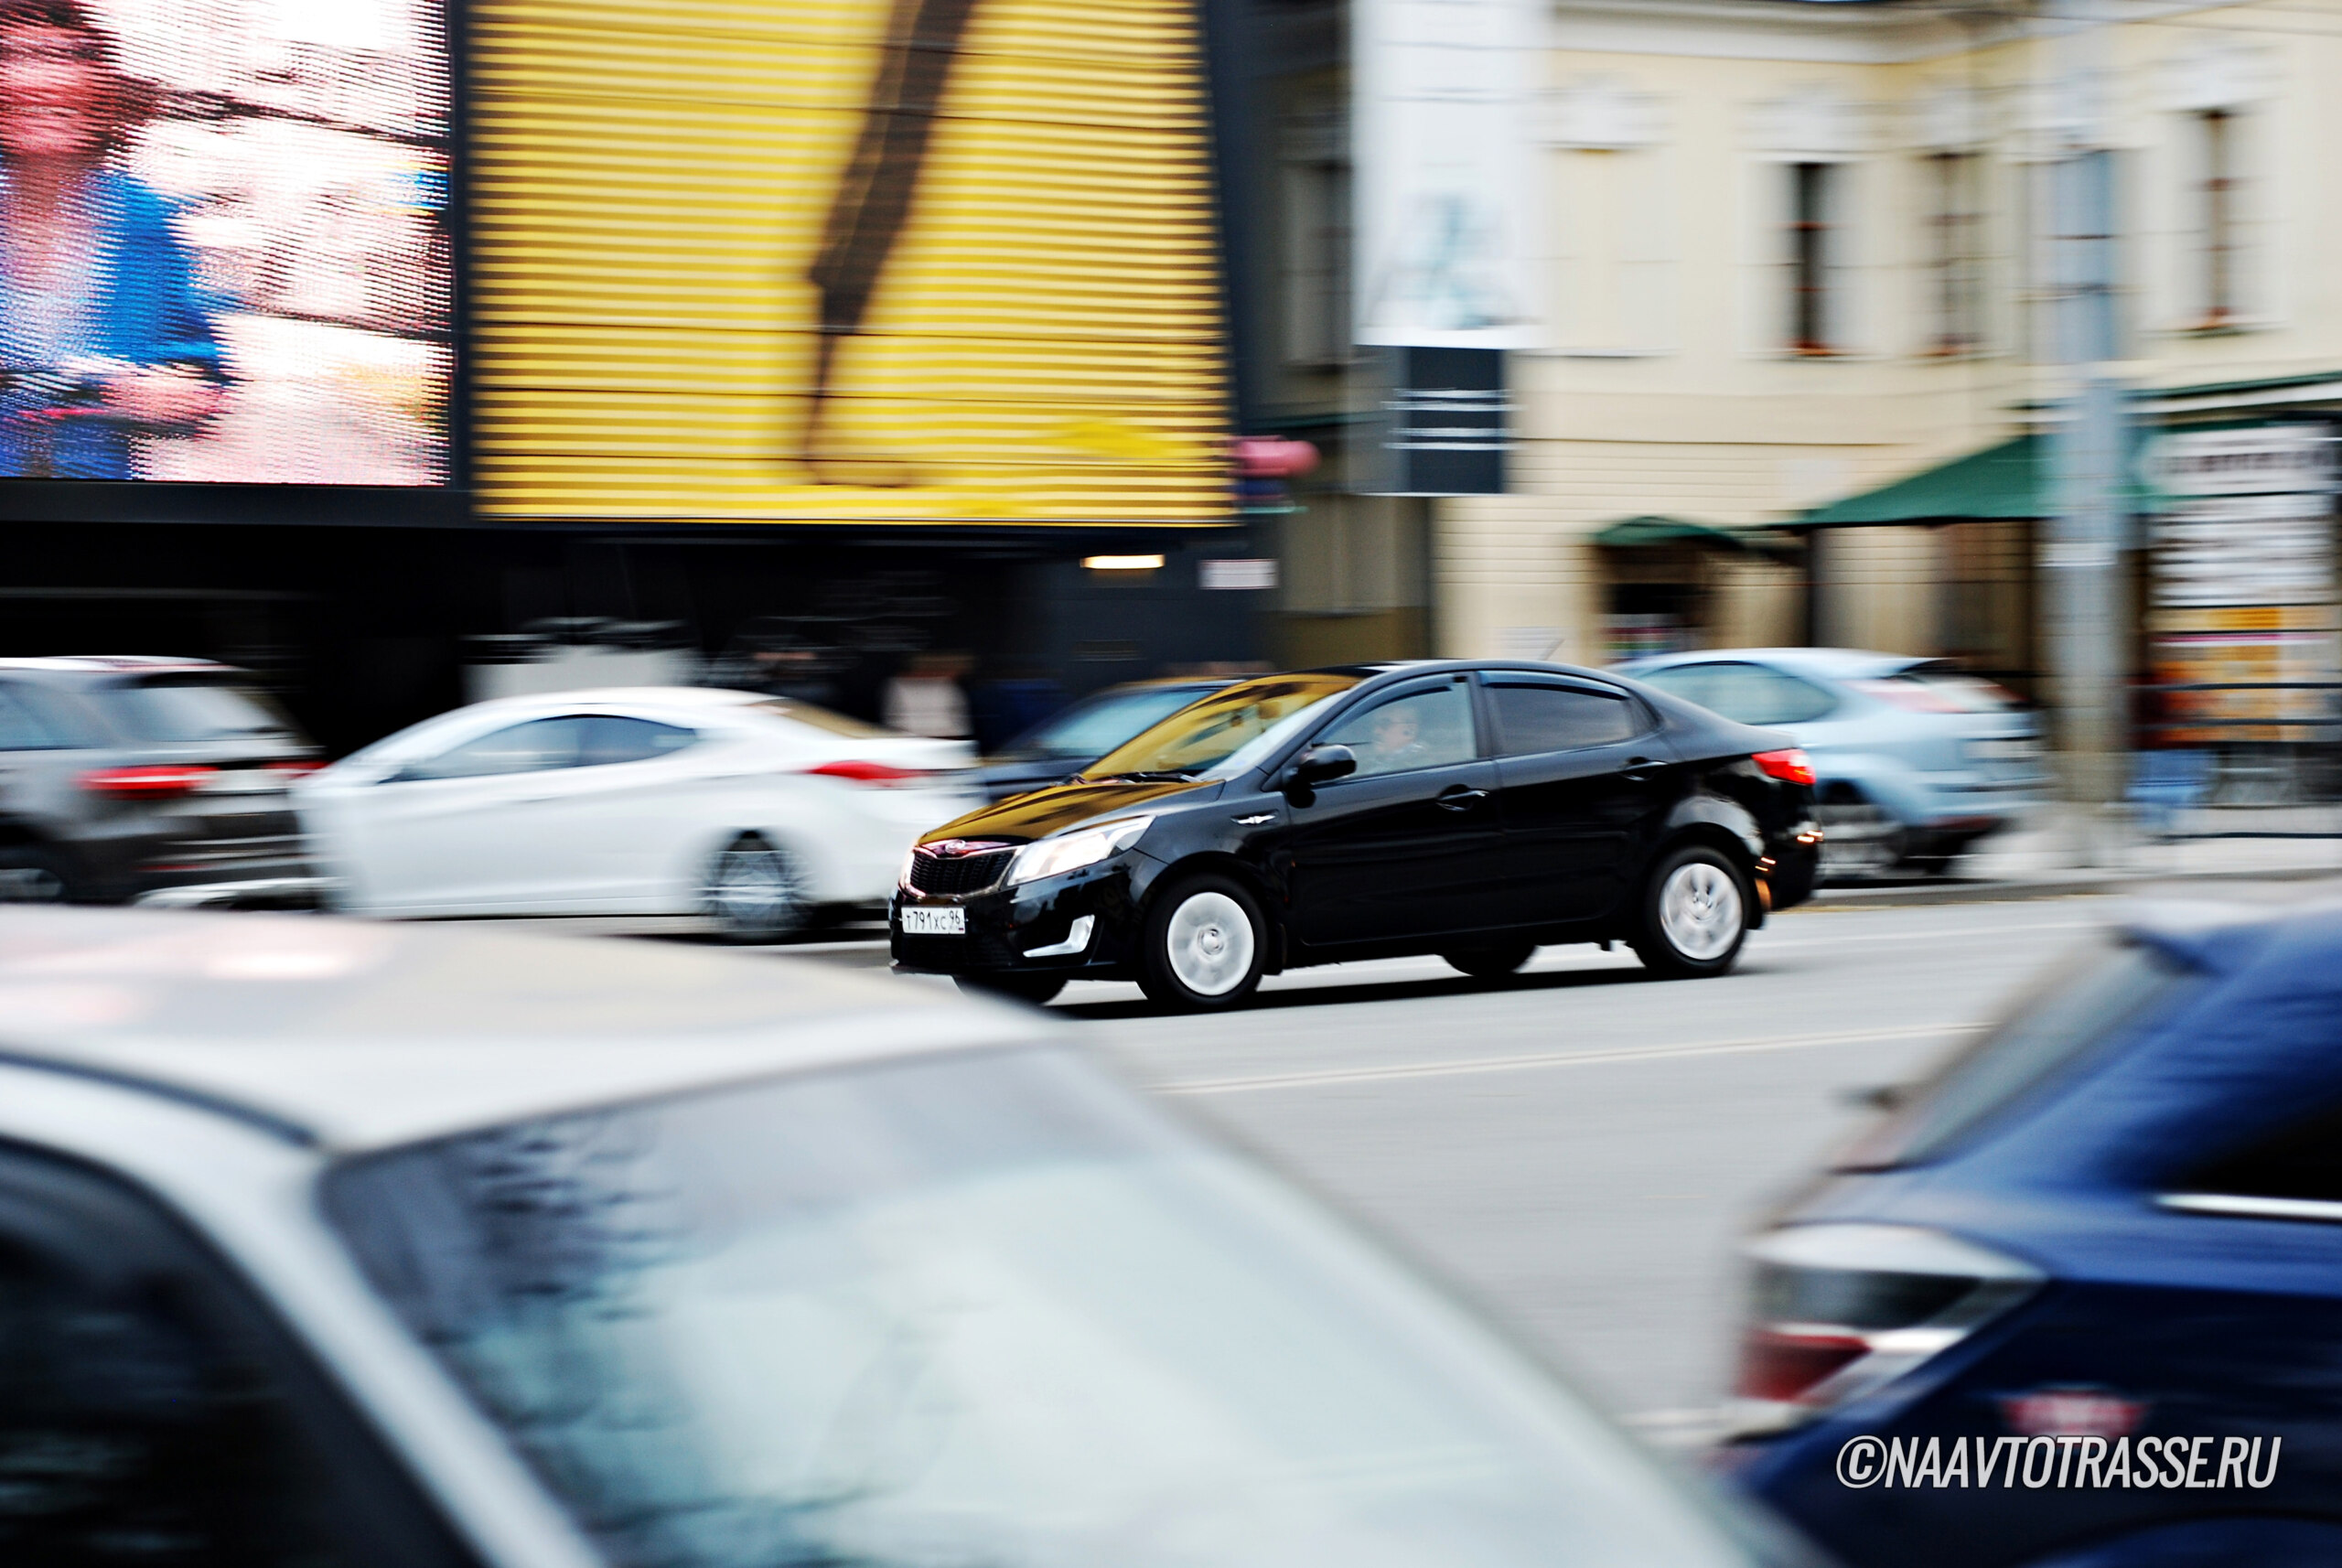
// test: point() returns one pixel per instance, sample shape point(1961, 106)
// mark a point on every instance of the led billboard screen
point(845, 260)
point(225, 244)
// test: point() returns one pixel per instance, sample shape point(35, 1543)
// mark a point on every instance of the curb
point(2078, 884)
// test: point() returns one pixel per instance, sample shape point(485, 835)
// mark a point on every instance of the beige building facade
point(1792, 251)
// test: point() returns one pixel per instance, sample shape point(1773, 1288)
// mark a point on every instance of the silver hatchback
point(1914, 760)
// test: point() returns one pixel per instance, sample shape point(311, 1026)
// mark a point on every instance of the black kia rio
point(1475, 811)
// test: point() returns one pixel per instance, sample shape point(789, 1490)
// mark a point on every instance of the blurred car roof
point(348, 1035)
point(116, 664)
point(1835, 663)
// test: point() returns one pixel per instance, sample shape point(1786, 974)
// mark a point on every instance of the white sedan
point(755, 812)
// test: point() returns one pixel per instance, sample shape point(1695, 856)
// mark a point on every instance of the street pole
point(2089, 451)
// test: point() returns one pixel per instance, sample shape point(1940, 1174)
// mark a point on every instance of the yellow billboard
point(845, 260)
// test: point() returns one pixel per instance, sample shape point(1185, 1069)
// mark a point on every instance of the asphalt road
point(1579, 1147)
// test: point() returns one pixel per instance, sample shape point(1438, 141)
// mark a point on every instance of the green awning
point(1632, 533)
point(2005, 481)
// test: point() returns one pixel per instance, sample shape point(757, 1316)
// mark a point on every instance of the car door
point(454, 831)
point(1582, 784)
point(153, 1411)
point(1410, 845)
point(607, 834)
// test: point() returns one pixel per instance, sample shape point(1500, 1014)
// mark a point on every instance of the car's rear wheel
point(1033, 988)
point(756, 892)
point(1694, 915)
point(1205, 941)
point(1490, 963)
point(36, 874)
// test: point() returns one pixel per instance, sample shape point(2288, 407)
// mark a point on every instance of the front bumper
point(1004, 924)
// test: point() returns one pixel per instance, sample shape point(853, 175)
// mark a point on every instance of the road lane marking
point(1558, 1058)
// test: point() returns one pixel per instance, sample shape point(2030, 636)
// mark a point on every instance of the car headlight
point(1049, 857)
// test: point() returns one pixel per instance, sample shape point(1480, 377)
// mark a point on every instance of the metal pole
point(2089, 450)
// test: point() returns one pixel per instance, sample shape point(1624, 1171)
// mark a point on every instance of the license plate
point(948, 921)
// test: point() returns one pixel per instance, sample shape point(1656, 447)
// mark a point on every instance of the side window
point(611, 738)
point(150, 1415)
point(22, 729)
point(536, 747)
point(1421, 729)
point(1535, 716)
point(2302, 1162)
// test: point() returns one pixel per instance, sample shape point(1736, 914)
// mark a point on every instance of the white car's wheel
point(1695, 914)
point(756, 892)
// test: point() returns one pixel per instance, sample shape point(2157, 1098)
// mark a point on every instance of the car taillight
point(1790, 766)
point(875, 775)
point(288, 771)
point(1838, 1310)
point(146, 782)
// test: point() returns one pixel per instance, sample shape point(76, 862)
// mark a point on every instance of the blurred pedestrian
point(101, 333)
point(926, 698)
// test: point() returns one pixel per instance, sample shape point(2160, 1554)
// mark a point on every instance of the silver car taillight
point(1837, 1310)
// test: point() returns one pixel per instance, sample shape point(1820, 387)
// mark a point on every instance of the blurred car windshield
point(818, 718)
point(1227, 732)
point(1098, 725)
point(988, 1309)
point(2079, 1005)
point(202, 708)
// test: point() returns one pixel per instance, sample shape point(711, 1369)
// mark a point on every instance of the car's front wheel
point(1205, 941)
point(756, 892)
point(1694, 915)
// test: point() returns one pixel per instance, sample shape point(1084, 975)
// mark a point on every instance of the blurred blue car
point(2103, 1246)
point(1913, 760)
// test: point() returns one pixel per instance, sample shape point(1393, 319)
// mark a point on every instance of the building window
point(1316, 246)
point(2218, 202)
point(1955, 253)
point(1813, 243)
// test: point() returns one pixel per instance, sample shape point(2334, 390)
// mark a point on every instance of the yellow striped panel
point(651, 184)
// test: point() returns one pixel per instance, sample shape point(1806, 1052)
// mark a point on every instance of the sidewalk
point(2049, 861)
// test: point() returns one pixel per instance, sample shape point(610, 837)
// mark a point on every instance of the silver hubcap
point(1210, 943)
point(755, 888)
point(1699, 911)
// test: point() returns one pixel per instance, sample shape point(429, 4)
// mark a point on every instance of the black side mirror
point(1320, 765)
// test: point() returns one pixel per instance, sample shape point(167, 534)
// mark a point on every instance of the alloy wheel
point(1699, 911)
point(756, 892)
point(1208, 943)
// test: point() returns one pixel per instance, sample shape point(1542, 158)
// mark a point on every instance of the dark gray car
point(127, 776)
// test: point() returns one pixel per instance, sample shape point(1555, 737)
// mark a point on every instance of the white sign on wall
point(1440, 124)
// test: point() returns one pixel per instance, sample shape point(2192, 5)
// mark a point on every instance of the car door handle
point(1459, 799)
point(1638, 769)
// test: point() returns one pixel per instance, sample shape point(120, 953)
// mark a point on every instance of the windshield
point(1091, 728)
point(197, 709)
point(1227, 732)
point(2079, 1005)
point(983, 1311)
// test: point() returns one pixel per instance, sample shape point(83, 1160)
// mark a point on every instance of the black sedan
point(1475, 811)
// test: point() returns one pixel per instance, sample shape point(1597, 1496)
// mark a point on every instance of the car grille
point(967, 870)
